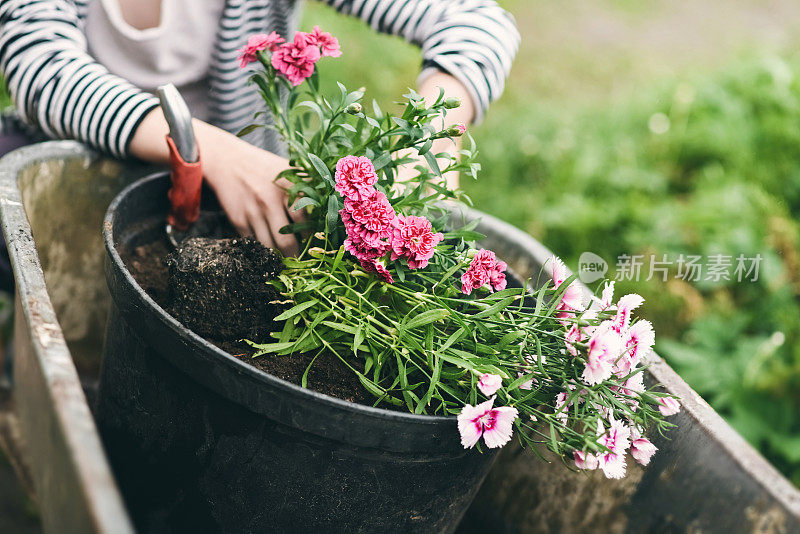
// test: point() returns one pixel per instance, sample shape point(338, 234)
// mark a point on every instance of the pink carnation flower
point(638, 341)
point(484, 269)
point(256, 43)
point(414, 240)
point(355, 177)
point(369, 223)
point(296, 59)
point(641, 448)
point(606, 299)
point(366, 250)
point(378, 266)
point(572, 297)
point(605, 347)
point(327, 43)
point(373, 217)
point(573, 336)
point(527, 385)
point(585, 460)
point(632, 386)
point(489, 384)
point(617, 440)
point(625, 306)
point(494, 424)
point(668, 406)
point(497, 275)
point(560, 409)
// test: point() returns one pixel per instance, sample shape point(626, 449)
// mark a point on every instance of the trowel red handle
point(184, 195)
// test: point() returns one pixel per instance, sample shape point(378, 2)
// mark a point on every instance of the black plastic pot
point(200, 441)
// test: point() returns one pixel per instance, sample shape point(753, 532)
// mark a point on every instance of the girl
point(86, 70)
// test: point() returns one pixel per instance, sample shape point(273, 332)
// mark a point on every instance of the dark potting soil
point(218, 289)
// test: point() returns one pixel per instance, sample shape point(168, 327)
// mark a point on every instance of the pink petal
point(642, 450)
point(608, 295)
point(500, 433)
point(525, 385)
point(613, 465)
point(489, 384)
point(557, 269)
point(625, 306)
point(639, 341)
point(668, 406)
point(585, 461)
point(469, 425)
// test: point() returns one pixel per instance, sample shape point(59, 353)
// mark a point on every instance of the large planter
point(201, 441)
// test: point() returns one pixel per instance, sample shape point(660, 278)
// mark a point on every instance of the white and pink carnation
point(573, 336)
point(617, 440)
point(572, 298)
point(625, 307)
point(638, 342)
point(642, 449)
point(489, 384)
point(585, 460)
point(494, 424)
point(668, 406)
point(605, 346)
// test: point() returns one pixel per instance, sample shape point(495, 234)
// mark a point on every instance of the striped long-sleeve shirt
point(59, 87)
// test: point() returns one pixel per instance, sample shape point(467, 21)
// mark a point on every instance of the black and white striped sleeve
point(57, 85)
point(473, 40)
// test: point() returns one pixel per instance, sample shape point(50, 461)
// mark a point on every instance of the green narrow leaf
point(371, 386)
point(495, 308)
point(455, 336)
point(248, 129)
point(321, 168)
point(434, 382)
point(426, 317)
point(358, 339)
point(304, 380)
point(382, 161)
point(265, 348)
point(346, 328)
point(432, 163)
point(294, 310)
point(332, 217)
point(337, 260)
point(425, 148)
point(304, 202)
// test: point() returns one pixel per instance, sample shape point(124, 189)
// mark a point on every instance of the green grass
point(623, 156)
point(5, 98)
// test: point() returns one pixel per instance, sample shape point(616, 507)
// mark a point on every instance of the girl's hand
point(243, 176)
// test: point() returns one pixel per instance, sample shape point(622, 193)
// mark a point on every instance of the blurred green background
point(644, 127)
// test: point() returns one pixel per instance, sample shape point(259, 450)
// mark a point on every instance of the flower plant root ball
point(215, 279)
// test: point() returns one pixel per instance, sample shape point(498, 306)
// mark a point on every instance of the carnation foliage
point(393, 286)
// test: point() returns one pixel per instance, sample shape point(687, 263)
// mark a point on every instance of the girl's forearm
point(464, 114)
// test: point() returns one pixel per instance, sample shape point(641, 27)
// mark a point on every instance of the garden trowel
point(186, 171)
